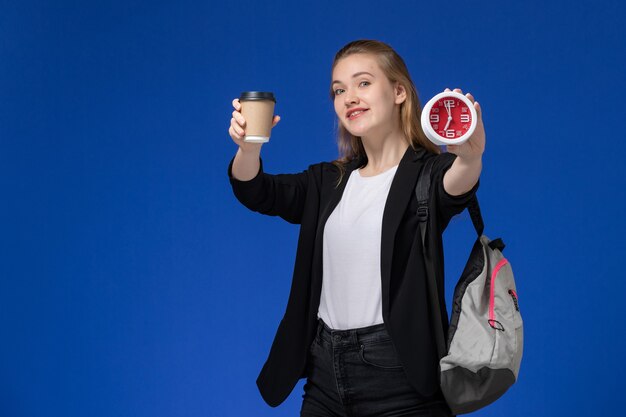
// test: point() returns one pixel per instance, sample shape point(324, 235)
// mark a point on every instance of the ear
point(400, 92)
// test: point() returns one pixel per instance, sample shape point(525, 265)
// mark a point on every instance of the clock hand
point(449, 110)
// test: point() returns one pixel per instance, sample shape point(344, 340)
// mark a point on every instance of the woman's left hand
point(474, 147)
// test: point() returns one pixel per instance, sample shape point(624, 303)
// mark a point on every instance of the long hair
point(394, 68)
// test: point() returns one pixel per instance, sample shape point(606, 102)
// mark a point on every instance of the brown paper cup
point(257, 108)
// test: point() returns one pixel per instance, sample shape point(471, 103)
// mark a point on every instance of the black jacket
point(308, 198)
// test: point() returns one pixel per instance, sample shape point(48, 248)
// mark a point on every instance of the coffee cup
point(257, 107)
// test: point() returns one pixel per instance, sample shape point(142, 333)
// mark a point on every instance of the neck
point(384, 152)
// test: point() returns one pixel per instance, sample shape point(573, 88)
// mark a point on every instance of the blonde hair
point(394, 68)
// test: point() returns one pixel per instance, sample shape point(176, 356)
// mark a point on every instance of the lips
point(354, 113)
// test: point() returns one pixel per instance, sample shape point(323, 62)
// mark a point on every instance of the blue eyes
point(341, 89)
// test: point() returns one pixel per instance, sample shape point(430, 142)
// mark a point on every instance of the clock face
point(450, 117)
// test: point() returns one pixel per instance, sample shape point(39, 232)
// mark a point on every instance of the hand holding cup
point(239, 129)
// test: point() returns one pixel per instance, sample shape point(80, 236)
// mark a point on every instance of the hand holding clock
point(464, 133)
point(473, 147)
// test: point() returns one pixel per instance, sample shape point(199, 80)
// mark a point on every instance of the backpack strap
point(422, 191)
point(497, 244)
point(477, 219)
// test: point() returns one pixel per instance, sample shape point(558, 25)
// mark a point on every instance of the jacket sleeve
point(448, 205)
point(281, 195)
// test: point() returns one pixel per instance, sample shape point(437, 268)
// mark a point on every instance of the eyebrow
point(354, 76)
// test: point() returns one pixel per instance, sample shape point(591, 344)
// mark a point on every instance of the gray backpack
point(480, 359)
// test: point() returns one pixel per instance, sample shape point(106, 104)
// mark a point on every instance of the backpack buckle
point(422, 212)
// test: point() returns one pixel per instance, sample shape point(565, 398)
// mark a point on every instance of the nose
point(350, 98)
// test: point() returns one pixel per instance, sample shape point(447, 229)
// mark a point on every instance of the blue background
point(133, 283)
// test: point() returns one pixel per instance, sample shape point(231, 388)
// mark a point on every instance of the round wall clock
point(449, 118)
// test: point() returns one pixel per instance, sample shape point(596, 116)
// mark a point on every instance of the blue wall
point(133, 283)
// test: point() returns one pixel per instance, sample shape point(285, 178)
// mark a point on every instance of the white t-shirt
point(351, 286)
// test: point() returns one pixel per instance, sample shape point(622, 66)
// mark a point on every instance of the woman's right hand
point(237, 129)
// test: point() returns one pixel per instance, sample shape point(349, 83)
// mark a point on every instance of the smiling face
point(366, 102)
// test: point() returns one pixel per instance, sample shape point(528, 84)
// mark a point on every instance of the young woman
point(357, 322)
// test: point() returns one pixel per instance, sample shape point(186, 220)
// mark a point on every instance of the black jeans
point(356, 373)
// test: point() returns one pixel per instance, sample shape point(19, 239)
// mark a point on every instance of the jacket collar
point(410, 155)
